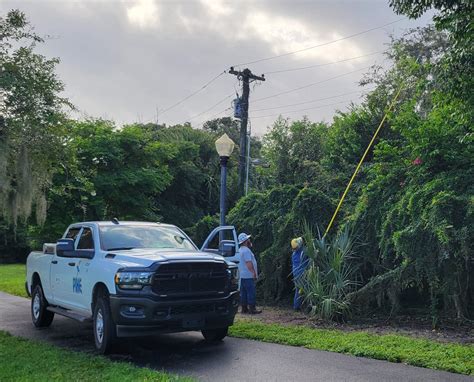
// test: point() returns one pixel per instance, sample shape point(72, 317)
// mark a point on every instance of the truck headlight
point(133, 280)
point(234, 278)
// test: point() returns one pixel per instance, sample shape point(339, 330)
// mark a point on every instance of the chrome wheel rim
point(99, 326)
point(36, 306)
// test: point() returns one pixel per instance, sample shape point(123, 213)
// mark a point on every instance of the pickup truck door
point(61, 269)
point(80, 284)
point(69, 271)
point(223, 241)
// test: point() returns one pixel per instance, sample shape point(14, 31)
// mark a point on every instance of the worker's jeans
point(247, 292)
point(298, 299)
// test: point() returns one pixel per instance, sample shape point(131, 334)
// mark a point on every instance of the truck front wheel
point(39, 314)
point(104, 327)
point(214, 335)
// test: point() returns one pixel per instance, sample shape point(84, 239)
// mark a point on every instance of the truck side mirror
point(64, 245)
point(227, 248)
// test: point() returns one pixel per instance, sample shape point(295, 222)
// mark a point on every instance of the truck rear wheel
point(39, 315)
point(104, 327)
point(214, 335)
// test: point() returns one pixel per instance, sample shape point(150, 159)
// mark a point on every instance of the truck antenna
point(115, 221)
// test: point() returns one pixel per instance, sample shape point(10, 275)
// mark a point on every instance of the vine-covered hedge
point(274, 218)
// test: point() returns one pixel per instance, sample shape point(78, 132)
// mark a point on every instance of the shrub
point(201, 230)
point(329, 279)
point(274, 218)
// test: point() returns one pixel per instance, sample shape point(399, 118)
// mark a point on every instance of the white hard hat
point(243, 237)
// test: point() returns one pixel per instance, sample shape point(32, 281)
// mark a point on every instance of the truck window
point(142, 236)
point(86, 241)
point(222, 235)
point(72, 233)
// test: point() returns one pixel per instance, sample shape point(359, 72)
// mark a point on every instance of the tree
point(415, 212)
point(456, 17)
point(194, 190)
point(31, 120)
point(106, 173)
point(226, 125)
point(294, 151)
point(138, 172)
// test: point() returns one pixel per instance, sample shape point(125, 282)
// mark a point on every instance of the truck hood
point(143, 257)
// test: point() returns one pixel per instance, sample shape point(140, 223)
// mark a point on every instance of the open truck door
point(223, 241)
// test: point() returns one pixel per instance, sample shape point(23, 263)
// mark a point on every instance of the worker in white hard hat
point(248, 275)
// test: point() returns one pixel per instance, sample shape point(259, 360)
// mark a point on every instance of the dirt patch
point(449, 330)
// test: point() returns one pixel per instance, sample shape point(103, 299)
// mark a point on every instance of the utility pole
point(246, 76)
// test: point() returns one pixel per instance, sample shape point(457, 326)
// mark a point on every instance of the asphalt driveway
point(232, 360)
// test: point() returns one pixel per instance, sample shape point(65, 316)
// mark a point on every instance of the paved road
point(232, 360)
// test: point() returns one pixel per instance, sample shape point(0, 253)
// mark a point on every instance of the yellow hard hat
point(296, 242)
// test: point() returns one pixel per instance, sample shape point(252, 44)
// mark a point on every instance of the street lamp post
point(224, 147)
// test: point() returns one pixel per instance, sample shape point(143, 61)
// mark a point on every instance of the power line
point(193, 93)
point(314, 100)
point(312, 84)
point(320, 65)
point(295, 104)
point(299, 110)
point(212, 107)
point(323, 44)
point(212, 117)
point(215, 115)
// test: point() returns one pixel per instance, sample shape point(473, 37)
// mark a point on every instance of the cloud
point(115, 66)
point(143, 13)
point(217, 8)
point(278, 32)
point(285, 34)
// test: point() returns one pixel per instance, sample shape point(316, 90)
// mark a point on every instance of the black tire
point(39, 315)
point(103, 326)
point(214, 335)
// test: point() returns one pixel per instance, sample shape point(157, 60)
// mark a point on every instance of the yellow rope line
point(362, 160)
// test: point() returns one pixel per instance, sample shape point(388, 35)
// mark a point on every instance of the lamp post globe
point(224, 147)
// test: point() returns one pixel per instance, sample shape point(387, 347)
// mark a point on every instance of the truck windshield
point(129, 237)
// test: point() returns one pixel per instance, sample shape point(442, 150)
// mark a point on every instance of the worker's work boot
point(253, 310)
point(245, 309)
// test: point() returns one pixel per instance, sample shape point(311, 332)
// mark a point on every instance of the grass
point(394, 348)
point(12, 279)
point(26, 360)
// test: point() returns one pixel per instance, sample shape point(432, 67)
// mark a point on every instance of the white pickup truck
point(136, 278)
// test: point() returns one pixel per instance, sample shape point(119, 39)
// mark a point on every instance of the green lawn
point(26, 360)
point(395, 348)
point(12, 279)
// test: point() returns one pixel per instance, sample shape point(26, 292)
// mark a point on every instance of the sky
point(133, 61)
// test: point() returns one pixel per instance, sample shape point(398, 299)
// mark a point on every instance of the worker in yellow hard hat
point(299, 263)
point(296, 243)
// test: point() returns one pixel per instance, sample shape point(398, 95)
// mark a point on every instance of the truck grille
point(181, 279)
point(176, 310)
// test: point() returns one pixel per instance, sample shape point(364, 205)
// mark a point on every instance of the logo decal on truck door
point(77, 285)
point(77, 282)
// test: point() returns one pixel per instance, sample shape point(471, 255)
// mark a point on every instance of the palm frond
point(330, 277)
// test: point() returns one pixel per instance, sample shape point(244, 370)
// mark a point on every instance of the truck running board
point(68, 313)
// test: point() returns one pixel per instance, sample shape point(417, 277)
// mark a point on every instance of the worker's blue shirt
point(299, 262)
point(246, 255)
